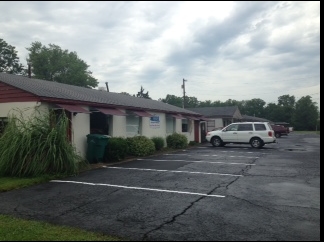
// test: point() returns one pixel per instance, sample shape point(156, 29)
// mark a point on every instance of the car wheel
point(216, 142)
point(277, 135)
point(256, 143)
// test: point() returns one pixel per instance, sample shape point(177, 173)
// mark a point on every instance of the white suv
point(257, 134)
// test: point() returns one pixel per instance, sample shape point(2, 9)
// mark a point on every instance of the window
point(260, 127)
point(132, 125)
point(170, 124)
point(184, 125)
point(233, 127)
point(245, 127)
point(99, 123)
point(3, 124)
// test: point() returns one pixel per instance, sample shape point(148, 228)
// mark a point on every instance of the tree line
point(52, 63)
point(302, 114)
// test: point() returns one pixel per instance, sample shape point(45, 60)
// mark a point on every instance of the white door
point(230, 133)
point(244, 132)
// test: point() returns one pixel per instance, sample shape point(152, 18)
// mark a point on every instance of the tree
point(126, 93)
point(9, 61)
point(254, 107)
point(191, 102)
point(287, 106)
point(142, 94)
point(54, 64)
point(273, 112)
point(206, 103)
point(286, 101)
point(306, 114)
point(173, 100)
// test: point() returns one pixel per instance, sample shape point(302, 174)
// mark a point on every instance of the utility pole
point(107, 86)
point(184, 92)
point(29, 69)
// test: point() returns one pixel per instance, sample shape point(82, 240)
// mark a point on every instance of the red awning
point(142, 113)
point(111, 111)
point(73, 108)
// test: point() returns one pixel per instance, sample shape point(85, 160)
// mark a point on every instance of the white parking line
point(178, 154)
point(190, 172)
point(212, 162)
point(221, 151)
point(137, 188)
point(238, 156)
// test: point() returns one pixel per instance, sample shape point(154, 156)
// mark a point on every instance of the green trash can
point(96, 147)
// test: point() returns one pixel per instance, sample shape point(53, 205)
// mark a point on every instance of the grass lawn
point(14, 229)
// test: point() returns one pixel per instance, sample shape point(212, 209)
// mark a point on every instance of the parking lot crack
point(173, 219)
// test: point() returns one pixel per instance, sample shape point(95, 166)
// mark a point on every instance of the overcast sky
point(225, 50)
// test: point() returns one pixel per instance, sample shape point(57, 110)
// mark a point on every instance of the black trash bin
point(96, 147)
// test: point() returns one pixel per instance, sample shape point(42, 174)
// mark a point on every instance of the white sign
point(155, 122)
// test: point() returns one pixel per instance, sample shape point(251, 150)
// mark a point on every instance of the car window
point(260, 127)
point(245, 127)
point(232, 127)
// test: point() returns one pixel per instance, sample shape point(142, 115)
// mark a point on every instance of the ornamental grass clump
point(38, 146)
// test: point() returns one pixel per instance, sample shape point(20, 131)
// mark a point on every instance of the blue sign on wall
point(155, 122)
point(155, 119)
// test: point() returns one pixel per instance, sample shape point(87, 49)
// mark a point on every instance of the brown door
point(203, 132)
point(196, 126)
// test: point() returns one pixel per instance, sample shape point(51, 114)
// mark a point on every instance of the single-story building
point(219, 116)
point(95, 111)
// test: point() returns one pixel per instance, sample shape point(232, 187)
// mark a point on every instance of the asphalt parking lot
point(231, 193)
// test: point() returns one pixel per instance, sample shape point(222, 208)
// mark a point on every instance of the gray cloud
point(226, 50)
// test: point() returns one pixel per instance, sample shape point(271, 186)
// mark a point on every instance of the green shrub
point(140, 146)
point(158, 142)
point(177, 141)
point(192, 143)
point(116, 150)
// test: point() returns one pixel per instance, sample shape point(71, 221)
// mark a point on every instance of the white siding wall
point(118, 126)
point(151, 128)
point(80, 129)
point(219, 122)
point(178, 125)
point(28, 108)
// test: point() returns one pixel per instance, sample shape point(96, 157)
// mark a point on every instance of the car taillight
point(270, 133)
